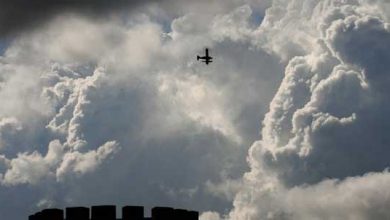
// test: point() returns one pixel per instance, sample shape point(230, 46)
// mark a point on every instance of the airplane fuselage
point(206, 59)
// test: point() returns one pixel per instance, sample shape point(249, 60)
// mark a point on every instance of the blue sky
point(3, 46)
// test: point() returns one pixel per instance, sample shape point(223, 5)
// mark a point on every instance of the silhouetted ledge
point(108, 212)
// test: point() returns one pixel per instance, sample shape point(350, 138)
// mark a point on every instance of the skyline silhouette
point(108, 212)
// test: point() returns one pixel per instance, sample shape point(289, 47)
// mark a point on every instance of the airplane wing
point(207, 58)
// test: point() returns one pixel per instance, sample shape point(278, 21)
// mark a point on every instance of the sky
point(105, 103)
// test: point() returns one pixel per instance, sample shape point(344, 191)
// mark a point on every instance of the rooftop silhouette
point(108, 212)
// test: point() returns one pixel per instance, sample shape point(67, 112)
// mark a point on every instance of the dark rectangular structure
point(52, 214)
point(33, 217)
point(77, 213)
point(162, 213)
point(108, 212)
point(133, 213)
point(39, 216)
point(104, 212)
point(193, 215)
point(180, 214)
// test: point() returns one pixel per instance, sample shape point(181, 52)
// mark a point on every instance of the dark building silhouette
point(105, 212)
point(108, 212)
point(133, 213)
point(161, 213)
point(77, 213)
point(180, 214)
point(48, 214)
point(193, 215)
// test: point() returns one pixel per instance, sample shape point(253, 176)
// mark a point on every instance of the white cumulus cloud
point(321, 155)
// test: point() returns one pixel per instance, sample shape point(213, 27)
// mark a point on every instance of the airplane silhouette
point(206, 59)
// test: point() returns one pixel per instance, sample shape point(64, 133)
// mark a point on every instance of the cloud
point(362, 197)
point(234, 26)
point(359, 197)
point(328, 95)
point(8, 128)
point(210, 216)
point(23, 14)
point(82, 163)
point(323, 141)
point(34, 168)
point(19, 16)
point(30, 168)
point(122, 104)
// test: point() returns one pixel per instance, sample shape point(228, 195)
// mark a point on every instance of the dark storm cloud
point(20, 15)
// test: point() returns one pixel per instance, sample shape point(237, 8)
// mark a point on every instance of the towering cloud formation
point(119, 103)
point(329, 117)
point(117, 110)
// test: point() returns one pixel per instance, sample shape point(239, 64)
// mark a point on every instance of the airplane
point(206, 59)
